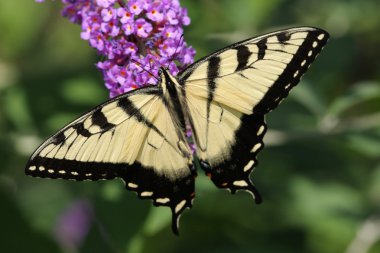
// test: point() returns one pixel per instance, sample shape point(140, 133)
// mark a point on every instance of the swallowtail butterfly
point(140, 136)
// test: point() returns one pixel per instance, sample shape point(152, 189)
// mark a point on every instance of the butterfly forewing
point(229, 92)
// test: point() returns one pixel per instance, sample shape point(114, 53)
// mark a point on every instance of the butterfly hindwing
point(229, 92)
point(132, 137)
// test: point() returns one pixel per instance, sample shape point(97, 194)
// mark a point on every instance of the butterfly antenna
point(179, 43)
point(144, 69)
point(150, 65)
point(172, 58)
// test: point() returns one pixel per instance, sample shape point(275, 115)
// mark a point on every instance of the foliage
point(319, 174)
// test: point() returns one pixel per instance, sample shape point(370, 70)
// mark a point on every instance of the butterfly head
point(167, 81)
point(162, 70)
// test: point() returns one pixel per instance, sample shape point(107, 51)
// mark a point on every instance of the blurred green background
point(319, 174)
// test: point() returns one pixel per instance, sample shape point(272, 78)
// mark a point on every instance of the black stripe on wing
point(100, 120)
point(262, 45)
point(126, 104)
point(243, 55)
point(175, 193)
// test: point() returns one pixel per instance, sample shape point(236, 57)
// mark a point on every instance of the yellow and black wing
point(229, 92)
point(132, 137)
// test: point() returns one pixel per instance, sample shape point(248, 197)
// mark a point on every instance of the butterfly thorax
point(170, 86)
point(174, 99)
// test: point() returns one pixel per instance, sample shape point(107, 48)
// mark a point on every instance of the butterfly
point(140, 136)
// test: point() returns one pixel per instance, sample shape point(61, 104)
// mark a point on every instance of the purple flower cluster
point(73, 224)
point(136, 38)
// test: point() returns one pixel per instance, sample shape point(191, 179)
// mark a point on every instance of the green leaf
point(83, 91)
point(306, 95)
point(374, 186)
point(366, 145)
point(16, 108)
point(158, 219)
point(359, 94)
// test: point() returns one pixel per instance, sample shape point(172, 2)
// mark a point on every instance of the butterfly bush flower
point(134, 38)
point(73, 225)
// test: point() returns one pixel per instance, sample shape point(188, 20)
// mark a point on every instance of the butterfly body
point(140, 136)
point(175, 100)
